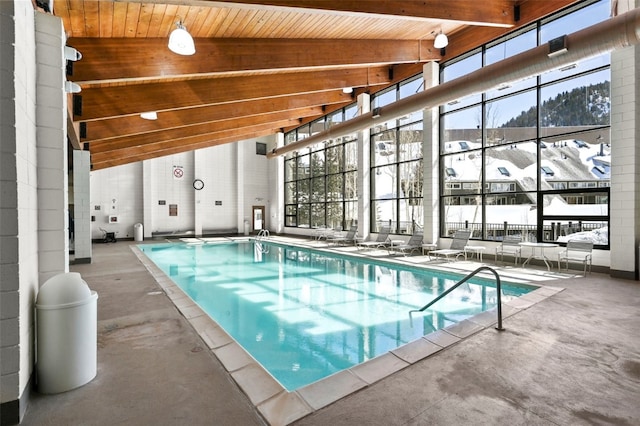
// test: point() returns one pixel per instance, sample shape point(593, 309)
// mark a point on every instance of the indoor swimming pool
point(305, 314)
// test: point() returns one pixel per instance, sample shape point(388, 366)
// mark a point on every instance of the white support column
point(430, 156)
point(277, 205)
point(624, 232)
point(51, 145)
point(81, 206)
point(364, 170)
point(197, 198)
point(243, 213)
point(149, 198)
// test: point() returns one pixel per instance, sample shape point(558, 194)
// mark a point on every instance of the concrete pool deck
point(567, 357)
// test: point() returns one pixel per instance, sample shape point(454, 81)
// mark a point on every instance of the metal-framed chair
point(578, 252)
point(511, 247)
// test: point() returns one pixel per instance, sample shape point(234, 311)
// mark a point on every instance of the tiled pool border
point(281, 407)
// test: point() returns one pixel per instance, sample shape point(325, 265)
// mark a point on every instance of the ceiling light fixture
point(151, 115)
point(180, 41)
point(441, 41)
point(347, 90)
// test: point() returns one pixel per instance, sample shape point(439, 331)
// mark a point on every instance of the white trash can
point(66, 311)
point(138, 234)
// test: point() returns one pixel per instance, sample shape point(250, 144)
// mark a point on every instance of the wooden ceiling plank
point(76, 17)
point(106, 18)
point(131, 20)
point(144, 20)
point(119, 19)
point(221, 16)
point(130, 125)
point(109, 59)
point(91, 18)
point(497, 13)
point(168, 22)
point(155, 23)
point(107, 102)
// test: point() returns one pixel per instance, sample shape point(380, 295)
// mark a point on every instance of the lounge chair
point(350, 237)
point(511, 247)
point(577, 251)
point(460, 240)
point(382, 241)
point(414, 243)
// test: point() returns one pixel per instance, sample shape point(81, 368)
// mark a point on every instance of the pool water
point(304, 314)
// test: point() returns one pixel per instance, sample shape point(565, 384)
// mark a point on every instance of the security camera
point(71, 54)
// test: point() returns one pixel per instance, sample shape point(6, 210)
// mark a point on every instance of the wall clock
point(198, 184)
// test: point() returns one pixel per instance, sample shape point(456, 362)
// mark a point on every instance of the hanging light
point(151, 115)
point(441, 41)
point(180, 41)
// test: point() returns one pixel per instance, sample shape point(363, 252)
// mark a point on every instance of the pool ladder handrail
point(263, 234)
point(462, 281)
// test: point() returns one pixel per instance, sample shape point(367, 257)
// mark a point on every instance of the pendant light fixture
point(180, 41)
point(441, 41)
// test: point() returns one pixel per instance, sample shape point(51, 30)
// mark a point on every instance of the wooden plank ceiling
point(261, 66)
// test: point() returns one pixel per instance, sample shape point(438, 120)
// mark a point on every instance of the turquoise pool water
point(306, 314)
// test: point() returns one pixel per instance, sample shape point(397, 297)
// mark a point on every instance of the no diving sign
point(178, 172)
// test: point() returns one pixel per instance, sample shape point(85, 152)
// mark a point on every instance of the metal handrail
point(262, 234)
point(464, 280)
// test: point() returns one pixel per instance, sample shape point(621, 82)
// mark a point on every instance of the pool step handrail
point(263, 234)
point(462, 281)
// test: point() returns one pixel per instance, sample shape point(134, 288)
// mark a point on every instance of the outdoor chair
point(460, 240)
point(414, 243)
point(511, 247)
point(350, 237)
point(578, 252)
point(382, 241)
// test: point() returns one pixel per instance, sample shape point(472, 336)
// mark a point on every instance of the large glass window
point(321, 180)
point(397, 167)
point(534, 157)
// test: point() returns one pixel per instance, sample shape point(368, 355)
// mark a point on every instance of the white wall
point(116, 191)
point(217, 168)
point(138, 188)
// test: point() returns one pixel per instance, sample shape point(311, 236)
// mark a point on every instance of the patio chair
point(511, 247)
point(382, 241)
point(414, 243)
point(577, 251)
point(350, 237)
point(460, 240)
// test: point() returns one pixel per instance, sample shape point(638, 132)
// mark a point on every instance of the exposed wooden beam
point(184, 144)
point(277, 118)
point(73, 129)
point(107, 60)
point(119, 161)
point(109, 102)
point(131, 125)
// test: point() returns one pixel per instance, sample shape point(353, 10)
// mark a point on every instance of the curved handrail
point(262, 234)
point(462, 281)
